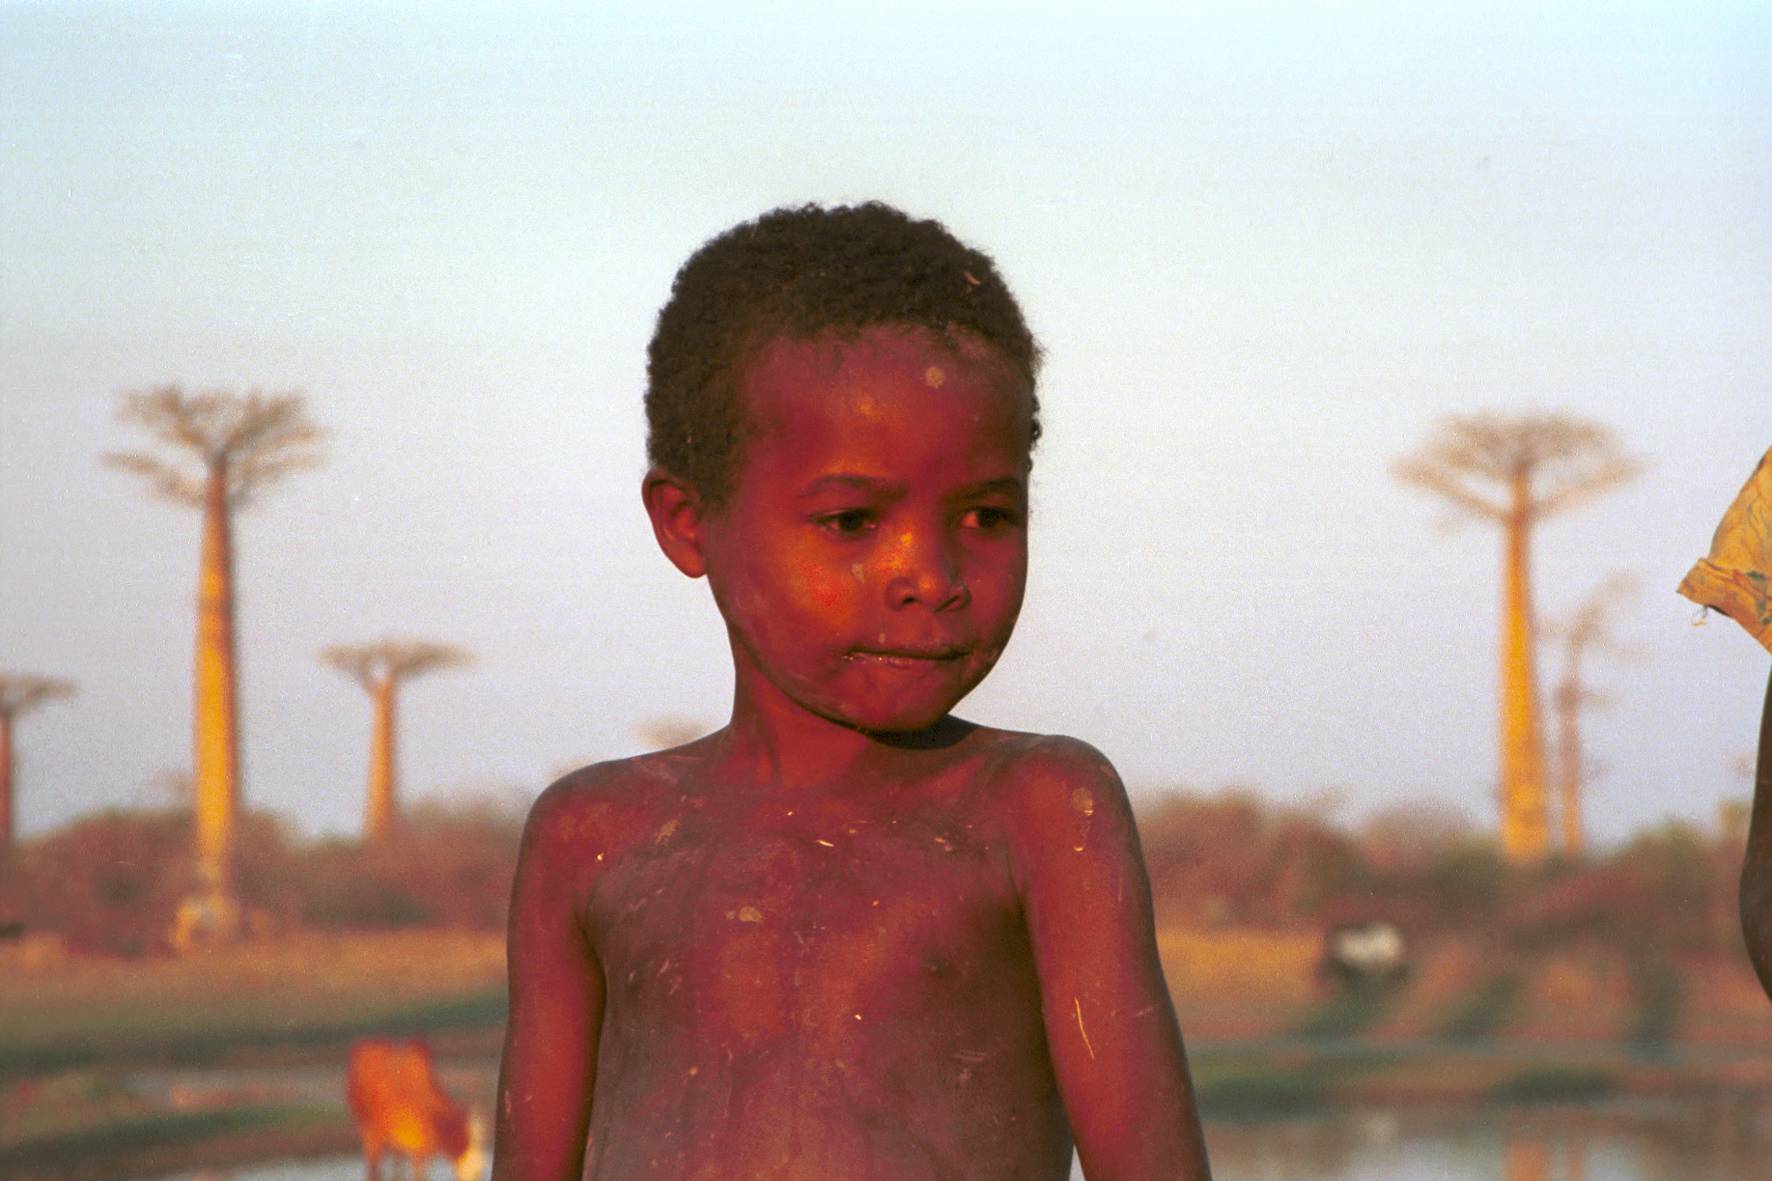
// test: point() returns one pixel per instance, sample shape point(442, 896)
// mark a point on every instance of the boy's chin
point(896, 723)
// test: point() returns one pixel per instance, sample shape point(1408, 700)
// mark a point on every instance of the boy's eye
point(850, 522)
point(989, 519)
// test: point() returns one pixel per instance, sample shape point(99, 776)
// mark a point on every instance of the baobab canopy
point(1515, 470)
point(1733, 578)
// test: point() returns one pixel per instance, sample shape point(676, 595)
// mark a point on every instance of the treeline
point(113, 882)
point(1235, 859)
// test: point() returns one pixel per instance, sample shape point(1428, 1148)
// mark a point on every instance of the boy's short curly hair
point(802, 272)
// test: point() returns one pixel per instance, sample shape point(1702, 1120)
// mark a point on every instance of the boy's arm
point(1109, 1022)
point(556, 1002)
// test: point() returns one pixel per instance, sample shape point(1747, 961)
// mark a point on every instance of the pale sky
point(1266, 248)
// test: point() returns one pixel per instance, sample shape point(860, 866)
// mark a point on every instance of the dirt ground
point(227, 1034)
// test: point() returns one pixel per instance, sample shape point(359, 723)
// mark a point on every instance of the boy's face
point(871, 556)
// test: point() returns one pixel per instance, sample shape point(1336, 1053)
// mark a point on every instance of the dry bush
point(112, 883)
point(1235, 859)
point(108, 883)
point(1232, 858)
point(443, 866)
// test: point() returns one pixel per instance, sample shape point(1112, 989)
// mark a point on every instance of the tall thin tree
point(1514, 471)
point(18, 695)
point(225, 449)
point(381, 667)
point(1587, 630)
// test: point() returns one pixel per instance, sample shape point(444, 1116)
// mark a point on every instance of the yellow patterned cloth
point(1734, 578)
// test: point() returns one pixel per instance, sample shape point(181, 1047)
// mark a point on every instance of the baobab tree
point(1588, 629)
point(226, 448)
point(1514, 471)
point(380, 667)
point(19, 694)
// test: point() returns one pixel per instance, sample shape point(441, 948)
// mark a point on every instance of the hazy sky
point(1266, 247)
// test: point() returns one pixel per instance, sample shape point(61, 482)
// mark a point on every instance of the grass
point(127, 1039)
point(303, 998)
point(128, 1134)
point(1484, 1011)
point(1259, 1090)
point(105, 1148)
point(1241, 1087)
point(1548, 1083)
point(1352, 1009)
point(1239, 982)
point(1660, 997)
point(68, 1029)
point(304, 993)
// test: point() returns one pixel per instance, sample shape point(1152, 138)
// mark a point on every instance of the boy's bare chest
point(767, 922)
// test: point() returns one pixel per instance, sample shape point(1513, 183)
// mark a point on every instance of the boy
point(849, 935)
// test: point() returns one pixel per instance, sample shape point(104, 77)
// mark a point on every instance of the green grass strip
point(187, 1047)
point(1547, 1083)
point(120, 1137)
point(1250, 1091)
point(1660, 998)
point(1485, 1010)
point(1352, 1009)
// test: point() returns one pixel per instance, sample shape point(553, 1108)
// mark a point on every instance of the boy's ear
point(678, 520)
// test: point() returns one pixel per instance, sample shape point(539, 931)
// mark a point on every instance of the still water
point(1714, 1140)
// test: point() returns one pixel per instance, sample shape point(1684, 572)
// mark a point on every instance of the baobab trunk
point(1513, 471)
point(1569, 761)
point(378, 819)
point(1524, 820)
point(215, 745)
point(379, 668)
point(5, 780)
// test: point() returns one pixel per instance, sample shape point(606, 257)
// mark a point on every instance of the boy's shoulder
point(605, 804)
point(1037, 778)
point(1054, 797)
point(1031, 784)
point(1024, 761)
point(1055, 753)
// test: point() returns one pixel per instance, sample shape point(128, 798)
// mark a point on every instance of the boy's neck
point(777, 744)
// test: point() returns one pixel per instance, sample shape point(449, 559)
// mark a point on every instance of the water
point(1667, 1140)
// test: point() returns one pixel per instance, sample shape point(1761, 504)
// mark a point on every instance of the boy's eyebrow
point(852, 483)
point(1003, 485)
point(845, 481)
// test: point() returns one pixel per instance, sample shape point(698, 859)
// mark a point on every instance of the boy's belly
point(773, 1012)
point(793, 1110)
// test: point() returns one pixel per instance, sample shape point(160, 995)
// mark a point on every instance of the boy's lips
point(908, 657)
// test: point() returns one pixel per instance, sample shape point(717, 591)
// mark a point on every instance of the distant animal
point(400, 1106)
point(1373, 951)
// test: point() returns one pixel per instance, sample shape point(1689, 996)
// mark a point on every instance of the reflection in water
point(1727, 1139)
point(1534, 1150)
point(335, 1169)
point(1575, 1158)
point(1528, 1158)
point(1624, 1140)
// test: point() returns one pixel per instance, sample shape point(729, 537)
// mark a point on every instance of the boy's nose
point(930, 576)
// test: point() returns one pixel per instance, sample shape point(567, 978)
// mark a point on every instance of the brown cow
point(400, 1106)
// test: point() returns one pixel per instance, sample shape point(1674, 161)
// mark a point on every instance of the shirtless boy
point(848, 935)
